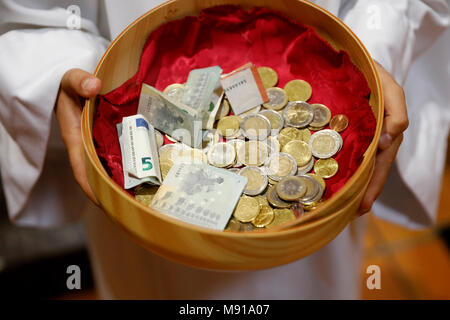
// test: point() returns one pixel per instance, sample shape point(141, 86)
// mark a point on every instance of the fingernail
point(385, 141)
point(88, 84)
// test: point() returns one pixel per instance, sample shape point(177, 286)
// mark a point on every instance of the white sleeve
point(32, 63)
point(396, 32)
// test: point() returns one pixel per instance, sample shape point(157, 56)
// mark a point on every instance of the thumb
point(80, 83)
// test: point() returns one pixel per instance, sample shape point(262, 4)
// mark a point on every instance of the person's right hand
point(76, 86)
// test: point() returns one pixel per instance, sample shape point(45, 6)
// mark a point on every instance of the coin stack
point(282, 147)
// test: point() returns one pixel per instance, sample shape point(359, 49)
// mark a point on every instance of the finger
point(69, 116)
point(396, 116)
point(383, 164)
point(80, 83)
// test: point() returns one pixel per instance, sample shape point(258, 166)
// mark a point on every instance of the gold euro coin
point(298, 90)
point(268, 76)
point(174, 91)
point(257, 180)
point(275, 119)
point(322, 115)
point(229, 126)
point(145, 193)
point(291, 188)
point(253, 153)
point(224, 109)
point(281, 165)
point(290, 133)
point(318, 178)
point(275, 200)
point(247, 209)
point(262, 200)
point(277, 99)
point(315, 128)
point(264, 217)
point(281, 216)
point(233, 225)
point(300, 150)
point(326, 168)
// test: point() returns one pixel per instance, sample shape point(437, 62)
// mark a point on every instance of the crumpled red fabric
point(230, 36)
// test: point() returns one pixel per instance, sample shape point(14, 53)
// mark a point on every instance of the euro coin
point(298, 90)
point(273, 144)
point(165, 165)
point(339, 123)
point(229, 126)
point(145, 193)
point(315, 128)
point(253, 153)
point(170, 151)
point(268, 76)
point(233, 225)
point(322, 115)
point(326, 168)
point(280, 165)
point(174, 91)
point(299, 150)
point(277, 99)
point(306, 168)
point(236, 143)
point(262, 200)
point(264, 217)
point(257, 180)
point(291, 188)
point(298, 114)
point(312, 188)
point(224, 109)
point(275, 119)
point(256, 127)
point(281, 216)
point(275, 200)
point(325, 144)
point(247, 209)
point(246, 227)
point(222, 155)
point(318, 178)
point(290, 133)
point(209, 139)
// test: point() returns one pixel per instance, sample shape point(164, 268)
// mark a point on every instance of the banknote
point(170, 116)
point(142, 148)
point(215, 100)
point(244, 89)
point(199, 194)
point(199, 87)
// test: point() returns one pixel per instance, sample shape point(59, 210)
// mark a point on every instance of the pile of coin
point(282, 147)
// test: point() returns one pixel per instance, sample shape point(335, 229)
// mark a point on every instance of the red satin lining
point(230, 36)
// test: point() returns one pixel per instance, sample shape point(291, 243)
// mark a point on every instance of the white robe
point(36, 49)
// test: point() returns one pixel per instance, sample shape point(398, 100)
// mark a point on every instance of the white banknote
point(139, 152)
point(244, 89)
point(171, 117)
point(199, 194)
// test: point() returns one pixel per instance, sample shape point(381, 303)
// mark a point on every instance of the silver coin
point(257, 189)
point(174, 91)
point(277, 98)
point(272, 168)
point(274, 118)
point(316, 197)
point(298, 114)
point(322, 115)
point(236, 143)
point(256, 127)
point(325, 144)
point(312, 188)
point(307, 168)
point(222, 155)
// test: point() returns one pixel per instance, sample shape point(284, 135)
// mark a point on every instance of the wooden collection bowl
point(206, 248)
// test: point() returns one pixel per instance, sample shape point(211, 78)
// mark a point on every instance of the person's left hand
point(395, 122)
